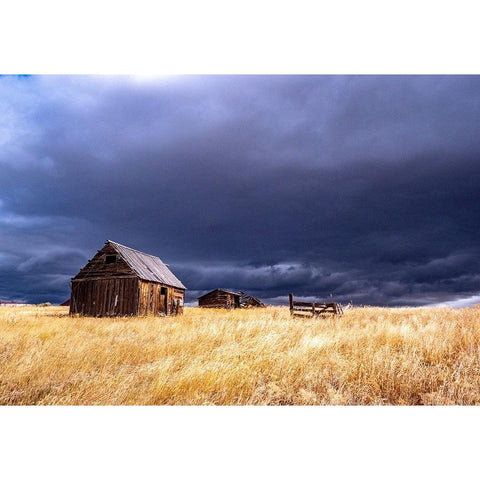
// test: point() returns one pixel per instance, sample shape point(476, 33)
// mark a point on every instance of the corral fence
point(312, 309)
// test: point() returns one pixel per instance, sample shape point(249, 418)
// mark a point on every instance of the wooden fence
point(312, 309)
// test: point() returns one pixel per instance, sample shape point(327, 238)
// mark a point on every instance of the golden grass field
point(370, 356)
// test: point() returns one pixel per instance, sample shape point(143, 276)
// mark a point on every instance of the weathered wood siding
point(178, 299)
point(105, 297)
point(96, 267)
point(219, 299)
point(157, 299)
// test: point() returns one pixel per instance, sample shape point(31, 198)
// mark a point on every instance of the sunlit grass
point(241, 357)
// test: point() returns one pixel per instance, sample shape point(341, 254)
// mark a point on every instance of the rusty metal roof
point(147, 267)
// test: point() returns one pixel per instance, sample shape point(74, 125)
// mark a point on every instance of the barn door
point(151, 298)
point(163, 300)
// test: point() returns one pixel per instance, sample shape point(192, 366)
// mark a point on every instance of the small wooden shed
point(120, 281)
point(220, 298)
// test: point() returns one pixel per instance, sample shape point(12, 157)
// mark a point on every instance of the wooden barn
point(120, 281)
point(247, 300)
point(220, 298)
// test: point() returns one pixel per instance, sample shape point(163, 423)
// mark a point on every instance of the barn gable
point(106, 262)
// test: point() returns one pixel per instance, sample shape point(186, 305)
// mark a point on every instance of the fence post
point(290, 299)
point(313, 309)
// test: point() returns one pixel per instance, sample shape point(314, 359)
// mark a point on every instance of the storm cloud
point(364, 187)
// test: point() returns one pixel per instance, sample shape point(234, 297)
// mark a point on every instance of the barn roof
point(220, 290)
point(245, 298)
point(147, 267)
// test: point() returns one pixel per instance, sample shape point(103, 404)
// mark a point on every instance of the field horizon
point(368, 356)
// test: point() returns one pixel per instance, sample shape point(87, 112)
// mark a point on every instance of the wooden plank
point(302, 304)
point(308, 309)
point(90, 279)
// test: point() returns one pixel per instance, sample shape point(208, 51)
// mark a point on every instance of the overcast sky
point(366, 187)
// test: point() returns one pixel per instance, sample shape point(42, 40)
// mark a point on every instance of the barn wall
point(178, 299)
point(108, 297)
point(152, 302)
point(105, 297)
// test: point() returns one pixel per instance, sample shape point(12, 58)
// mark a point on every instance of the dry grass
point(369, 356)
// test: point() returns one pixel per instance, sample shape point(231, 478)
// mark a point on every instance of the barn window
point(110, 258)
point(163, 290)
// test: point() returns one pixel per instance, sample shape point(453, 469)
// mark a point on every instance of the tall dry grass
point(369, 356)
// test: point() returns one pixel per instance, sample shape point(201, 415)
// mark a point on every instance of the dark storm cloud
point(364, 187)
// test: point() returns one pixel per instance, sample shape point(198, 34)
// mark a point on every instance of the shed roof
point(245, 298)
point(147, 267)
point(220, 290)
